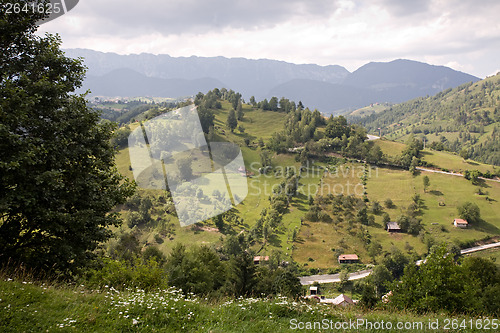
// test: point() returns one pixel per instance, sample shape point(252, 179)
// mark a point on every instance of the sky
point(461, 34)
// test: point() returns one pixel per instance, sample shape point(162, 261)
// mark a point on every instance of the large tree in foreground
point(58, 182)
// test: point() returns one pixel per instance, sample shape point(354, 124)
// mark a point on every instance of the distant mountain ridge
point(128, 82)
point(330, 89)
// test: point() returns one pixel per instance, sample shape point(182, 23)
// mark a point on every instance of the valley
point(315, 245)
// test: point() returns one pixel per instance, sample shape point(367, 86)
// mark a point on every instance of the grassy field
point(28, 307)
point(453, 162)
point(441, 159)
point(390, 148)
point(318, 240)
point(368, 110)
point(257, 123)
point(451, 191)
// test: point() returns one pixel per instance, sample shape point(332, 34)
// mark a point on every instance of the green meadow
point(317, 241)
point(441, 199)
point(48, 307)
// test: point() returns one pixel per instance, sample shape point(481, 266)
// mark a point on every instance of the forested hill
point(464, 120)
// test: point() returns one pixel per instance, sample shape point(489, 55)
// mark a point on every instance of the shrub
point(120, 274)
point(388, 203)
point(469, 211)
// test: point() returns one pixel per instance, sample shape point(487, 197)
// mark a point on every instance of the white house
point(460, 223)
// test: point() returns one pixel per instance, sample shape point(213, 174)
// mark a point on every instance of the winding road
point(329, 278)
point(453, 174)
point(469, 250)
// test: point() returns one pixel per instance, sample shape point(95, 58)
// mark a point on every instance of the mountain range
point(330, 89)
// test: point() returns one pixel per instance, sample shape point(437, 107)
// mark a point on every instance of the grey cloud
point(195, 16)
point(405, 8)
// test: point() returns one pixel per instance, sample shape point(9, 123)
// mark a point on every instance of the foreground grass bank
point(28, 307)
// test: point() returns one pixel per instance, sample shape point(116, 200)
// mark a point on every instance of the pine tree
point(232, 122)
point(239, 111)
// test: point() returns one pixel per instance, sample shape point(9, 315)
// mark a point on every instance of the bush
point(388, 203)
point(324, 217)
point(120, 274)
point(470, 212)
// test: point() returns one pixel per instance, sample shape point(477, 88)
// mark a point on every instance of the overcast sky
point(461, 34)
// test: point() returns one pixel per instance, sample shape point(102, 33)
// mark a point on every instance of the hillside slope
point(464, 118)
point(28, 307)
point(400, 80)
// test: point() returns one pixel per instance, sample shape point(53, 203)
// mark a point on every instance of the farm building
point(342, 300)
point(258, 259)
point(393, 227)
point(348, 259)
point(460, 223)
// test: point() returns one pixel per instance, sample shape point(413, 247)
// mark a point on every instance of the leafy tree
point(286, 282)
point(483, 277)
point(374, 249)
point(206, 118)
point(413, 165)
point(380, 278)
point(273, 104)
point(374, 155)
point(133, 219)
point(241, 278)
point(388, 203)
point(395, 262)
point(362, 216)
point(438, 285)
point(58, 182)
point(344, 279)
point(231, 122)
point(337, 127)
point(198, 270)
point(464, 153)
point(239, 111)
point(153, 252)
point(265, 158)
point(126, 248)
point(368, 295)
point(470, 212)
point(376, 207)
point(219, 223)
point(120, 137)
point(235, 99)
point(473, 176)
point(426, 182)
